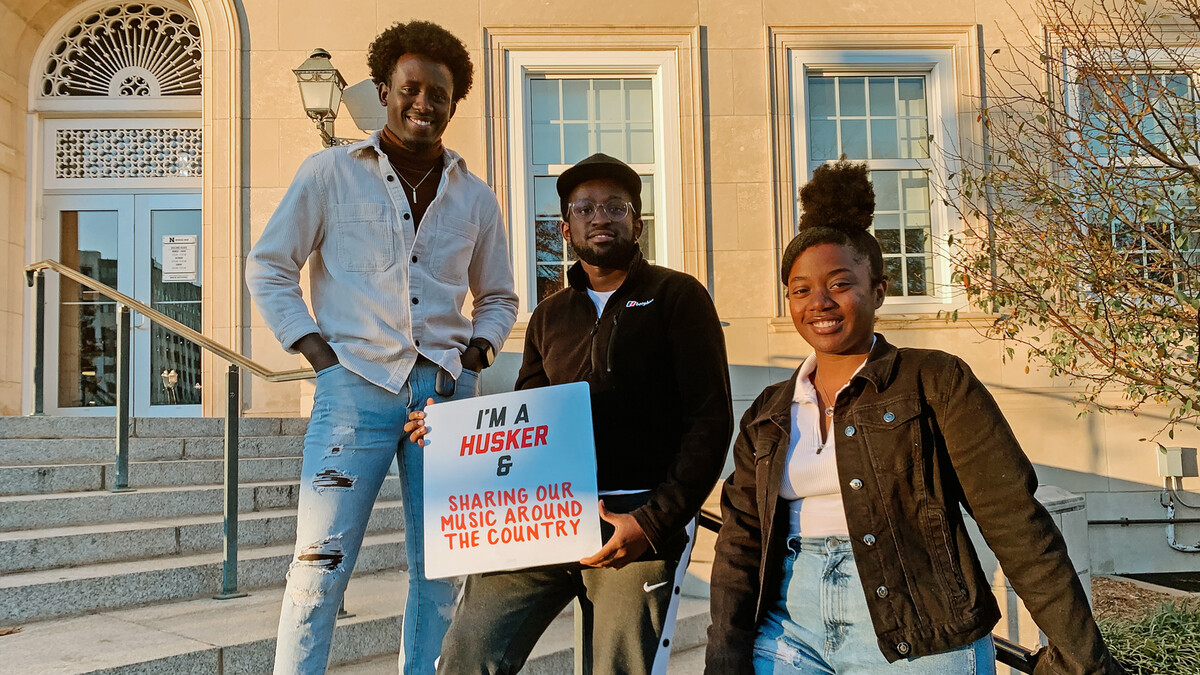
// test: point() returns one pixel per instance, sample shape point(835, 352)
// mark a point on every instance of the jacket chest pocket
point(364, 237)
point(892, 431)
point(453, 244)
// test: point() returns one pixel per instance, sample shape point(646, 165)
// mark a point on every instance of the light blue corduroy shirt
point(383, 291)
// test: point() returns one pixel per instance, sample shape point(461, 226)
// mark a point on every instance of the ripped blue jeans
point(820, 624)
point(355, 431)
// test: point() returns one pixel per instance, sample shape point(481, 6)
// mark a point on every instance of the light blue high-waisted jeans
point(820, 624)
point(355, 431)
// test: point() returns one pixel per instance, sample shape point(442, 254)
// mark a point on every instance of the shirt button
point(903, 648)
point(850, 431)
point(414, 258)
point(391, 178)
point(882, 591)
point(869, 539)
point(407, 216)
point(855, 484)
point(417, 342)
point(888, 417)
point(416, 301)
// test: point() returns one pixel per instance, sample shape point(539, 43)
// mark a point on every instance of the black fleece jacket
point(655, 362)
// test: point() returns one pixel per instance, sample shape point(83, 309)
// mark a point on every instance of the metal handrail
point(167, 322)
point(34, 277)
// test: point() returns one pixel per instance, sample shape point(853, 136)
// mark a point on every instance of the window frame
point(958, 49)
point(670, 56)
point(1155, 63)
point(937, 67)
point(523, 68)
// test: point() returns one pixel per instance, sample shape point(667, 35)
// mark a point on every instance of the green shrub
point(1164, 642)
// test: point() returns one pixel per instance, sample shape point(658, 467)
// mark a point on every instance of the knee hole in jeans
point(314, 571)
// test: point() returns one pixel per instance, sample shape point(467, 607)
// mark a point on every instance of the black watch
point(485, 348)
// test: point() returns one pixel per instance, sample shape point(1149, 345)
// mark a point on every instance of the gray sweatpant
point(628, 616)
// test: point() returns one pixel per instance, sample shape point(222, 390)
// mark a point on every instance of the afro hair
point(424, 38)
point(838, 207)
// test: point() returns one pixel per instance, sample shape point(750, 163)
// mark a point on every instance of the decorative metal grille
point(126, 50)
point(127, 153)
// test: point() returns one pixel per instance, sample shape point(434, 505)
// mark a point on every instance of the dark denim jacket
point(918, 436)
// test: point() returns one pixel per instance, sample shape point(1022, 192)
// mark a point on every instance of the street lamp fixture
point(321, 88)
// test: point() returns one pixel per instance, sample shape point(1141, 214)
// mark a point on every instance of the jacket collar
point(778, 408)
point(577, 278)
point(880, 370)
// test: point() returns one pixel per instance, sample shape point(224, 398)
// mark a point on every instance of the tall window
point(1152, 216)
point(565, 106)
point(882, 107)
point(569, 119)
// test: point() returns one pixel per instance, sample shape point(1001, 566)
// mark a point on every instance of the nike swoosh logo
point(647, 587)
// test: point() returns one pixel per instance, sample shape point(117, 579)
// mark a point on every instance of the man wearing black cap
point(648, 341)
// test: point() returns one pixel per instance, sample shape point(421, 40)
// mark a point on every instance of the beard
point(615, 256)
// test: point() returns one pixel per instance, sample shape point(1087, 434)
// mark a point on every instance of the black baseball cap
point(600, 166)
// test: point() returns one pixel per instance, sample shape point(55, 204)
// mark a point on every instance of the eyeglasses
point(585, 210)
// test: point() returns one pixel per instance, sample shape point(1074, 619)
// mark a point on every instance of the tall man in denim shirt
point(395, 231)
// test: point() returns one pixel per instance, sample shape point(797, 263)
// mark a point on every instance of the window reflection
point(87, 334)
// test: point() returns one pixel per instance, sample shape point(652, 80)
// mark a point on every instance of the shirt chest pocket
point(453, 244)
point(366, 241)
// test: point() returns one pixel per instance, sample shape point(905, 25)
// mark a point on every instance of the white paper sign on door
point(510, 481)
point(179, 253)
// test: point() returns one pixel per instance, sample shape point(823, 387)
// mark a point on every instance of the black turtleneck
point(422, 170)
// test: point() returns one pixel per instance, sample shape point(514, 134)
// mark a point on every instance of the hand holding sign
point(510, 481)
point(415, 426)
point(626, 545)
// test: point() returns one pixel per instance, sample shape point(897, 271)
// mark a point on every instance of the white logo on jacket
point(635, 303)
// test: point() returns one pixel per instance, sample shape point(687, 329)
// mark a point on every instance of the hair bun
point(839, 196)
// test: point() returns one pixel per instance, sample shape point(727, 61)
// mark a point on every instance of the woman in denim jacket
point(843, 548)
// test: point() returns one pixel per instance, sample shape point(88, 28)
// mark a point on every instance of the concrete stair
point(202, 636)
point(102, 582)
point(205, 636)
point(554, 656)
point(105, 582)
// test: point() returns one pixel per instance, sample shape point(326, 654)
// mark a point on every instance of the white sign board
point(510, 481)
point(179, 254)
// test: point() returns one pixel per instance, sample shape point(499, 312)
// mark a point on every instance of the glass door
point(167, 372)
point(147, 247)
point(85, 232)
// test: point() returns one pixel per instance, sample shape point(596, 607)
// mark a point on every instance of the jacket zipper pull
point(592, 341)
point(612, 341)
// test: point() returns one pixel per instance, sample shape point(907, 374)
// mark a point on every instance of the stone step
point(28, 550)
point(41, 451)
point(146, 427)
point(46, 479)
point(24, 512)
point(554, 653)
point(34, 596)
point(203, 636)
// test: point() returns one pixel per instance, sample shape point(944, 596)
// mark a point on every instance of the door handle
point(140, 322)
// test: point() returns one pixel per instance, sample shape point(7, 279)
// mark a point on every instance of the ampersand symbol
point(504, 465)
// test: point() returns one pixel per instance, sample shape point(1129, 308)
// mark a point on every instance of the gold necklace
point(414, 187)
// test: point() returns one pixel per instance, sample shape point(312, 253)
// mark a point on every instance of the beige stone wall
point(256, 136)
point(22, 25)
point(12, 204)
